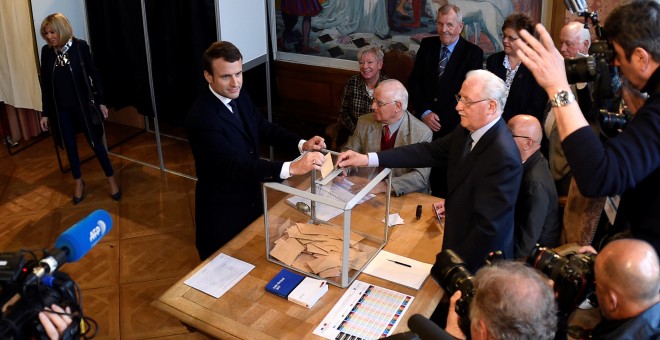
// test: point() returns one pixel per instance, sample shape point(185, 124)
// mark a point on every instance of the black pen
point(400, 263)
point(438, 216)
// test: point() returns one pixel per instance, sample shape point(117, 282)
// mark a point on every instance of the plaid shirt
point(355, 101)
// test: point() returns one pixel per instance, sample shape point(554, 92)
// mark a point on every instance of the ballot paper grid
point(365, 311)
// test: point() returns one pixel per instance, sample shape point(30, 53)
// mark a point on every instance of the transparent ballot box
point(328, 228)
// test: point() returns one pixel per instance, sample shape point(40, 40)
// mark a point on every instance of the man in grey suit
point(391, 125)
point(483, 166)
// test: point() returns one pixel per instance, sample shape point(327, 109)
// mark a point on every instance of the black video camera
point(573, 275)
point(23, 301)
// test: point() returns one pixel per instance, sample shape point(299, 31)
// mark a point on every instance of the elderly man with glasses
point(484, 171)
point(391, 125)
point(536, 218)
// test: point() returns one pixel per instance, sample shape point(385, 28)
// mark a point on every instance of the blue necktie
point(444, 57)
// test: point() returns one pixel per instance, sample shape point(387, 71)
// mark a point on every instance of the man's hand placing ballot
point(352, 158)
point(308, 162)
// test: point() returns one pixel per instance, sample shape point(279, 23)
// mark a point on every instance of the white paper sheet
point(219, 275)
point(383, 266)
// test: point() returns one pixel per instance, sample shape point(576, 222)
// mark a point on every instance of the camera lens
point(580, 70)
point(573, 276)
point(612, 120)
point(451, 273)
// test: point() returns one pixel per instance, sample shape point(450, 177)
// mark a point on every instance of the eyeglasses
point(527, 137)
point(460, 99)
point(381, 104)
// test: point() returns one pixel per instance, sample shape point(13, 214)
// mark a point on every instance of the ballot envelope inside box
point(328, 227)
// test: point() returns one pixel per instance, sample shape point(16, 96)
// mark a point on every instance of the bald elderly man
point(628, 290)
point(536, 219)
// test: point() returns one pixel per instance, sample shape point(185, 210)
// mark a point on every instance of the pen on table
point(400, 263)
point(438, 216)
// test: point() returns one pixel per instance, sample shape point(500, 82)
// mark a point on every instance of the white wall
point(243, 23)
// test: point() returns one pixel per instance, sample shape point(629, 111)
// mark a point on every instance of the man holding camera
point(629, 163)
point(511, 301)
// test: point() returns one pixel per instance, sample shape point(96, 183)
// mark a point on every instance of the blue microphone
point(84, 235)
point(73, 244)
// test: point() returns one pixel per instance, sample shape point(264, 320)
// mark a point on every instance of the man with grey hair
point(511, 301)
point(359, 89)
point(437, 75)
point(483, 165)
point(391, 125)
point(574, 38)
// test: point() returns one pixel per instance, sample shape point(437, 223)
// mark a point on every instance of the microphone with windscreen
point(73, 244)
point(427, 329)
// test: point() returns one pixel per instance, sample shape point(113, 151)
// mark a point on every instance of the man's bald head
point(527, 133)
point(627, 271)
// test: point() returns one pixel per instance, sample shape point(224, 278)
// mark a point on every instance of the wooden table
point(247, 311)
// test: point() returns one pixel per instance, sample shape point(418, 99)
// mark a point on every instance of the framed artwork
point(330, 32)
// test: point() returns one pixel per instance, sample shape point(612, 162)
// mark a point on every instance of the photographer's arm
point(546, 63)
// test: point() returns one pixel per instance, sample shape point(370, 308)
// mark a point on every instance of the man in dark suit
point(536, 218)
point(440, 68)
point(484, 172)
point(225, 130)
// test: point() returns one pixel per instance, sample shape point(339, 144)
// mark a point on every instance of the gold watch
point(562, 98)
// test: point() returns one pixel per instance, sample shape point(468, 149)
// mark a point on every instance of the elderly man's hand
point(352, 158)
point(432, 121)
point(308, 162)
point(543, 59)
point(314, 143)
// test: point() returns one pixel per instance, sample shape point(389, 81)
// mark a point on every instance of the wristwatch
point(562, 98)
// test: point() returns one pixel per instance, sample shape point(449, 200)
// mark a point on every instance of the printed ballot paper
point(219, 275)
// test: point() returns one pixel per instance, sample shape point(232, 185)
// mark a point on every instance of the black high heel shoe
point(116, 196)
point(75, 200)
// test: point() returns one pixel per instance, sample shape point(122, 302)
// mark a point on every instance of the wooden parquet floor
point(151, 244)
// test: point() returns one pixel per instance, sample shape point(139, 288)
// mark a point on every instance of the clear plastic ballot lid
point(327, 224)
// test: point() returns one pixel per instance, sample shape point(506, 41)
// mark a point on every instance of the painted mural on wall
point(338, 28)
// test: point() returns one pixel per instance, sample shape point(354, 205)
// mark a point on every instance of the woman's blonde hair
point(59, 24)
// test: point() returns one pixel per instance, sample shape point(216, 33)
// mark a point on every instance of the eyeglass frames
point(381, 104)
point(461, 100)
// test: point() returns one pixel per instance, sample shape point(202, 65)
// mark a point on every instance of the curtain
point(179, 32)
point(19, 82)
point(117, 41)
